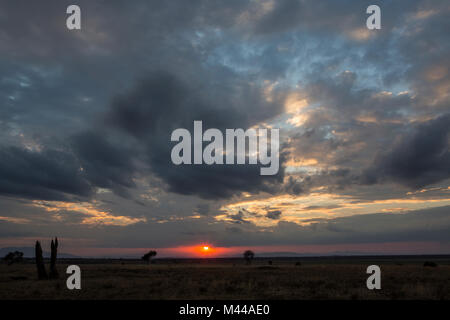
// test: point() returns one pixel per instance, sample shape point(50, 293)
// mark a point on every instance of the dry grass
point(228, 281)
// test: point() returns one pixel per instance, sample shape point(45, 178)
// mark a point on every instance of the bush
point(430, 264)
point(13, 257)
point(248, 256)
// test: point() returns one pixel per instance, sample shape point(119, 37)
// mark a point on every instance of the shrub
point(248, 256)
point(430, 264)
point(13, 257)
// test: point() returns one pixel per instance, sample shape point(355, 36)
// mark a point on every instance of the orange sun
point(205, 248)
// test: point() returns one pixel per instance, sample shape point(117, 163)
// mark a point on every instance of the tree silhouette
point(149, 255)
point(42, 274)
point(54, 250)
point(248, 256)
point(13, 257)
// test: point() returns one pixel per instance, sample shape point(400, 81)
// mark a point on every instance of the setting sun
point(205, 248)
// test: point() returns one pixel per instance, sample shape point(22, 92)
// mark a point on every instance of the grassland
point(231, 279)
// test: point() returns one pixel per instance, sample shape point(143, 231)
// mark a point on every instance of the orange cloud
point(15, 220)
point(93, 215)
point(301, 209)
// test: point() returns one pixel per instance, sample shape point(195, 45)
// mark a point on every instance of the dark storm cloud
point(420, 157)
point(48, 175)
point(58, 174)
point(56, 71)
point(104, 164)
point(165, 101)
point(64, 67)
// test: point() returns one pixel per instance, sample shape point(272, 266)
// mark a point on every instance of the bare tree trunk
point(53, 271)
point(42, 274)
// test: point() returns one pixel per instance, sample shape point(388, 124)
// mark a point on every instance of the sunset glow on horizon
point(198, 251)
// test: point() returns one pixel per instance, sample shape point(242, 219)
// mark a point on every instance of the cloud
point(88, 163)
point(419, 157)
point(333, 206)
point(49, 174)
point(87, 213)
point(105, 165)
point(237, 218)
point(273, 214)
point(203, 209)
point(165, 101)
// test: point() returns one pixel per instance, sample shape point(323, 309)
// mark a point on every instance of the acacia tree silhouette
point(13, 257)
point(149, 255)
point(248, 256)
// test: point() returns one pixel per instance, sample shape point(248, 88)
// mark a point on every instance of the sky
point(364, 117)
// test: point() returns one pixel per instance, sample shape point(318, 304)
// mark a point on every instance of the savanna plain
point(330, 278)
